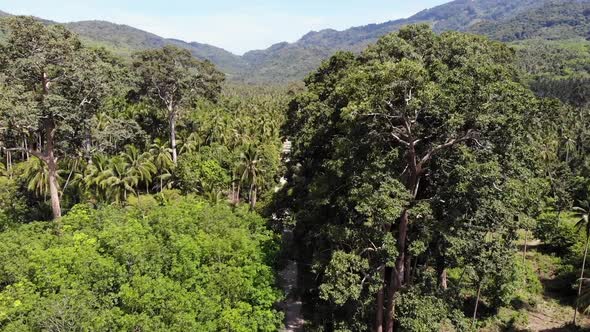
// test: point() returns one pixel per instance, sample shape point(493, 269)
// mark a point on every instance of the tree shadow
point(559, 289)
point(566, 328)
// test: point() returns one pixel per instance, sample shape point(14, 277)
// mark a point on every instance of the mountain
point(124, 40)
point(283, 62)
point(554, 21)
point(505, 20)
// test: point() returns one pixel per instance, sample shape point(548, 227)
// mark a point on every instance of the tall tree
point(172, 79)
point(57, 87)
point(249, 168)
point(373, 136)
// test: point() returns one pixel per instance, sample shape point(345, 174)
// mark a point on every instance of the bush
point(199, 175)
point(187, 266)
point(557, 237)
point(420, 313)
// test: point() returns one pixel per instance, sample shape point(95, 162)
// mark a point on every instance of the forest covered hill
point(428, 184)
point(505, 20)
point(554, 21)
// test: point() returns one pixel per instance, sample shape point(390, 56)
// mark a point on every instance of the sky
point(237, 26)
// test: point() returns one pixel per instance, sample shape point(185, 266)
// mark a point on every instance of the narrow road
point(288, 281)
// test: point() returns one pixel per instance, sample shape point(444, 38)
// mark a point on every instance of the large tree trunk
point(172, 119)
point(443, 280)
point(51, 161)
point(397, 276)
point(88, 146)
point(54, 188)
point(408, 270)
point(379, 308)
point(441, 270)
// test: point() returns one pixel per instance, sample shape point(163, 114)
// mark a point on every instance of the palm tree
point(582, 212)
point(192, 144)
point(73, 170)
point(118, 180)
point(37, 177)
point(139, 165)
point(3, 170)
point(93, 176)
point(162, 159)
point(249, 169)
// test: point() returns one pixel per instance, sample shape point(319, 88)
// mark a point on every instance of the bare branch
point(399, 140)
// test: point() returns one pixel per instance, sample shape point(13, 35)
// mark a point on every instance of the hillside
point(306, 54)
point(506, 20)
point(558, 20)
point(124, 40)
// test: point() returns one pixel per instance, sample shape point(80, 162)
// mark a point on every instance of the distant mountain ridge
point(284, 62)
point(555, 20)
point(124, 40)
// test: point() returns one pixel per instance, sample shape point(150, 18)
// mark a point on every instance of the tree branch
point(35, 153)
point(449, 143)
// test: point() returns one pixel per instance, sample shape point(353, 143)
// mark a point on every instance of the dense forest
point(432, 181)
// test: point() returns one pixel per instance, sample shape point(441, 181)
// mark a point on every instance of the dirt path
point(288, 281)
point(292, 305)
point(553, 311)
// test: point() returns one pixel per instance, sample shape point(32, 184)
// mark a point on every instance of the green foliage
point(553, 20)
point(557, 236)
point(417, 151)
point(341, 274)
point(12, 205)
point(421, 312)
point(198, 175)
point(182, 266)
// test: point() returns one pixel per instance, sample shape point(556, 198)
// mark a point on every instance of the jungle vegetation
point(148, 193)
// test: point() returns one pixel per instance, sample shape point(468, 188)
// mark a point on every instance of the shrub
point(557, 237)
point(185, 266)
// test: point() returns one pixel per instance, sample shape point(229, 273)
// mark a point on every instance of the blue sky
point(237, 26)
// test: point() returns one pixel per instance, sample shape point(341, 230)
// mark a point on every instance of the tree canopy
point(416, 151)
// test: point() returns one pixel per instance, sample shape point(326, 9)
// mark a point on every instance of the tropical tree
point(93, 176)
point(398, 143)
point(36, 176)
point(56, 86)
point(118, 180)
point(139, 165)
point(249, 170)
point(162, 159)
point(173, 79)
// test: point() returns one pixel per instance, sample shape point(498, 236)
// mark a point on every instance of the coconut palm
point(162, 159)
point(250, 170)
point(139, 165)
point(93, 176)
point(118, 180)
point(73, 170)
point(192, 143)
point(582, 212)
point(36, 176)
